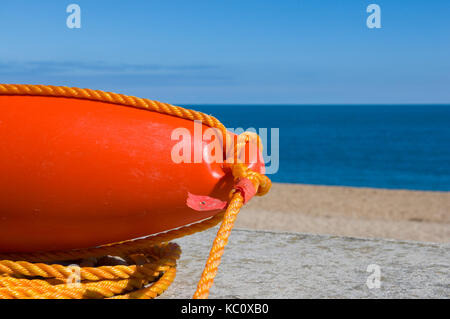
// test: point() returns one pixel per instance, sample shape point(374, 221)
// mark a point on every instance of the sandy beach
point(351, 211)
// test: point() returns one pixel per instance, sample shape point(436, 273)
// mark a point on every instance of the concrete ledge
point(263, 264)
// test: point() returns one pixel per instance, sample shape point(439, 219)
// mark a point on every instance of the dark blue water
point(384, 146)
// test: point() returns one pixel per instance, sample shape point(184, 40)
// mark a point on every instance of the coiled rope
point(147, 266)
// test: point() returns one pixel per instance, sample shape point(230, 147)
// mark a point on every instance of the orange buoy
point(79, 171)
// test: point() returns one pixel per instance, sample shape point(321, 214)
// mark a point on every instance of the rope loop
point(240, 170)
point(140, 275)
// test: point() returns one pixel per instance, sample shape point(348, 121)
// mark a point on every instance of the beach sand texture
point(351, 211)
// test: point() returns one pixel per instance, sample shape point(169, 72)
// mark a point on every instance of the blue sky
point(192, 52)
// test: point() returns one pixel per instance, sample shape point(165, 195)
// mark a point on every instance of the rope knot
point(260, 182)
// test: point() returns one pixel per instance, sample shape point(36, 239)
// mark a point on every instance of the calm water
point(385, 146)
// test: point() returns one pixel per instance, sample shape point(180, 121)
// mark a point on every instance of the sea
point(381, 146)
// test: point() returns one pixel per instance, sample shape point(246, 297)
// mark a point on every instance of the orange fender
point(77, 173)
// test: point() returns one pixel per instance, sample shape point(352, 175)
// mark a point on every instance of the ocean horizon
point(399, 146)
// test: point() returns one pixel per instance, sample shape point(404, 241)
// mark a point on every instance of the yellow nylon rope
point(151, 261)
